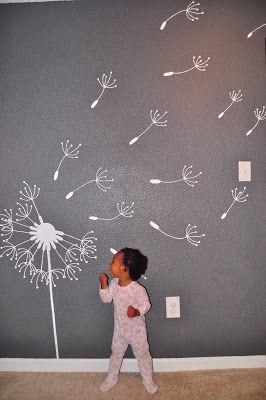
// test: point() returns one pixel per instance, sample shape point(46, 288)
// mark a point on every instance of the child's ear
point(123, 267)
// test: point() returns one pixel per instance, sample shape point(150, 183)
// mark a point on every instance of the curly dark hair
point(135, 262)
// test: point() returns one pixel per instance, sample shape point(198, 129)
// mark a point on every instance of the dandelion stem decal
point(191, 12)
point(186, 177)
point(236, 97)
point(191, 234)
point(240, 197)
point(113, 251)
point(156, 119)
point(68, 152)
point(99, 180)
point(251, 33)
point(105, 84)
point(199, 64)
point(52, 302)
point(260, 115)
point(42, 237)
point(123, 210)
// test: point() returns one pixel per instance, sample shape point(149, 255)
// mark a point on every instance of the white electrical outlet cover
point(244, 171)
point(173, 307)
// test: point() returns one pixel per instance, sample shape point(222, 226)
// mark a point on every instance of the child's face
point(116, 266)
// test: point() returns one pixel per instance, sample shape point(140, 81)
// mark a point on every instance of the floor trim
point(130, 364)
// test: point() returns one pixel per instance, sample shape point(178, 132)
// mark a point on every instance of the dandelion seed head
point(41, 235)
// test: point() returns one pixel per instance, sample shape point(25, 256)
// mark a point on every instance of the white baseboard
point(129, 364)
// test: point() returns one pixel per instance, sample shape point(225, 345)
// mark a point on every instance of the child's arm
point(105, 291)
point(143, 307)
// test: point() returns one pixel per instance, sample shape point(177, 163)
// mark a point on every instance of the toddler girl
point(131, 303)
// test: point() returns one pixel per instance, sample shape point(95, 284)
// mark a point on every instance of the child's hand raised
point(103, 278)
point(132, 312)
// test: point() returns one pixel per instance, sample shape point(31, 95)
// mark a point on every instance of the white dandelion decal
point(113, 251)
point(123, 210)
point(199, 64)
point(236, 97)
point(68, 152)
point(100, 180)
point(156, 119)
point(240, 198)
point(191, 13)
point(251, 33)
point(186, 177)
point(105, 84)
point(42, 237)
point(260, 115)
point(191, 234)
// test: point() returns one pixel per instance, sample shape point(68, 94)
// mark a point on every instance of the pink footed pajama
point(128, 331)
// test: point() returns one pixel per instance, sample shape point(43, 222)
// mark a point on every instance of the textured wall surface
point(50, 58)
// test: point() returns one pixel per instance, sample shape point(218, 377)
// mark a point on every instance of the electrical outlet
point(173, 307)
point(244, 171)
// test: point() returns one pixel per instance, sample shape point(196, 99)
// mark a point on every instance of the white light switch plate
point(244, 171)
point(173, 307)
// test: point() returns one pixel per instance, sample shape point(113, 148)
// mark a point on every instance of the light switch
point(244, 171)
point(173, 307)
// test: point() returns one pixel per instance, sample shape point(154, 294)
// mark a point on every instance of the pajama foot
point(108, 384)
point(151, 387)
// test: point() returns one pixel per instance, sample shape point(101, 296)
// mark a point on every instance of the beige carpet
point(230, 384)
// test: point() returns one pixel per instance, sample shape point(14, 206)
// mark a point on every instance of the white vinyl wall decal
point(191, 234)
point(199, 64)
point(251, 33)
point(113, 251)
point(100, 179)
point(42, 236)
point(186, 177)
point(260, 115)
point(123, 210)
point(68, 152)
point(236, 97)
point(156, 119)
point(105, 84)
point(240, 198)
point(191, 13)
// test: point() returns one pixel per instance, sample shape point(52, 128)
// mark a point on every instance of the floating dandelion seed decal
point(156, 119)
point(42, 237)
point(236, 97)
point(113, 251)
point(105, 84)
point(251, 33)
point(186, 177)
point(191, 234)
point(199, 64)
point(123, 210)
point(67, 153)
point(260, 115)
point(191, 12)
point(240, 197)
point(99, 180)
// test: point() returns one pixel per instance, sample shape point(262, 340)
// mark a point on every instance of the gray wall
point(50, 57)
